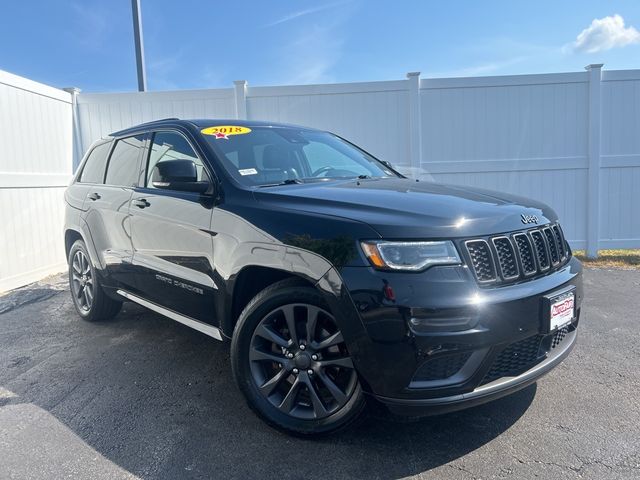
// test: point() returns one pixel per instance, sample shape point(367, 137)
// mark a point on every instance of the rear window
point(93, 171)
point(123, 164)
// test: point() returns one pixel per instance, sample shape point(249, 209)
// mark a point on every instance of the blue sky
point(200, 44)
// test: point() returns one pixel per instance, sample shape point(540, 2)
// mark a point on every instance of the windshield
point(273, 155)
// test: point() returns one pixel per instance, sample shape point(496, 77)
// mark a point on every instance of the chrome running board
point(189, 322)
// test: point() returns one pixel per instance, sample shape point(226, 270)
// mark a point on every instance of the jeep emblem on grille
point(528, 218)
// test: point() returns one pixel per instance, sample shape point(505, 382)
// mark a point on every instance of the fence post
point(75, 122)
point(593, 177)
point(415, 123)
point(240, 92)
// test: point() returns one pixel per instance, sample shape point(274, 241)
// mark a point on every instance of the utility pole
point(137, 36)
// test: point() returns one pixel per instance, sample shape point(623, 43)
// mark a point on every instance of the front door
point(172, 239)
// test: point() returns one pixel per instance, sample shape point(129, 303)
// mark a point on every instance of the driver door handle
point(141, 203)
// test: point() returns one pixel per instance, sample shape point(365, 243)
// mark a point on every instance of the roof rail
point(135, 127)
point(158, 120)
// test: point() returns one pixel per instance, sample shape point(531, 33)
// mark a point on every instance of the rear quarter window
point(122, 169)
point(94, 167)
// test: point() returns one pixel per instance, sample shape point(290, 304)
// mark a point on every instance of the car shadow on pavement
point(158, 400)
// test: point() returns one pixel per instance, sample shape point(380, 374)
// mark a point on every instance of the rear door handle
point(141, 203)
point(94, 196)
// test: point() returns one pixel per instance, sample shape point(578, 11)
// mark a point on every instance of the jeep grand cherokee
point(336, 279)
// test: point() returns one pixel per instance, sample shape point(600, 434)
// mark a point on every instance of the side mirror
point(180, 175)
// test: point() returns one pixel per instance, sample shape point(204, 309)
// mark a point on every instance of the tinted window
point(172, 146)
point(267, 155)
point(123, 164)
point(93, 171)
point(324, 157)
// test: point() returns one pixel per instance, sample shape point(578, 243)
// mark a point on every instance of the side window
point(320, 155)
point(172, 146)
point(94, 167)
point(122, 169)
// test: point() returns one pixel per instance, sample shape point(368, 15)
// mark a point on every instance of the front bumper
point(484, 393)
point(444, 343)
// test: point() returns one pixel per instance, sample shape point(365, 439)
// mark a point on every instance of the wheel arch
point(71, 236)
point(74, 233)
point(250, 281)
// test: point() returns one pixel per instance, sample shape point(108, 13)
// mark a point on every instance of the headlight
point(412, 256)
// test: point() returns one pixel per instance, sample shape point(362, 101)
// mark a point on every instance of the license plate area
point(559, 310)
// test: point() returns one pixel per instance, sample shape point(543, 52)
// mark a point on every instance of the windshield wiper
point(288, 181)
point(363, 177)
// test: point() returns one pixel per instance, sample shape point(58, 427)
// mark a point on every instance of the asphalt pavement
point(144, 397)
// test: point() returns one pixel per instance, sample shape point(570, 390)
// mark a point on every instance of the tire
point(304, 383)
point(89, 298)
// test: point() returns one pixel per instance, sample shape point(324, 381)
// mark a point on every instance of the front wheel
point(291, 362)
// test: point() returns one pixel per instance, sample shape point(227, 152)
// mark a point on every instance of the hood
point(404, 208)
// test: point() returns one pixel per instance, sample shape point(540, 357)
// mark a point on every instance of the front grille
point(482, 260)
point(520, 356)
point(525, 251)
point(511, 257)
point(553, 248)
point(441, 367)
point(506, 258)
point(562, 248)
point(515, 359)
point(541, 250)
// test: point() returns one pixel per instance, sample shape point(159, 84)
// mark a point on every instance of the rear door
point(107, 211)
point(172, 238)
point(92, 173)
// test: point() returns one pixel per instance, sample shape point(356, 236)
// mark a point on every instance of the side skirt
point(189, 322)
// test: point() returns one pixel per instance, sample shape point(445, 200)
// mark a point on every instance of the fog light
point(422, 321)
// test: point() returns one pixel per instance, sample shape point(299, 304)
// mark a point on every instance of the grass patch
point(611, 258)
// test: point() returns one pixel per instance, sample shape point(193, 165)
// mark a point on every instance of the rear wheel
point(88, 295)
point(291, 362)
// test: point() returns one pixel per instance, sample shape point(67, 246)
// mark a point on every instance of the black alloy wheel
point(89, 297)
point(291, 361)
point(81, 281)
point(300, 363)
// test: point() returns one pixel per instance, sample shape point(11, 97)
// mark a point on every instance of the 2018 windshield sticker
point(248, 171)
point(223, 131)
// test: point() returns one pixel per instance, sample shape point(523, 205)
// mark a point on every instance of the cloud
point(302, 13)
point(315, 45)
point(604, 34)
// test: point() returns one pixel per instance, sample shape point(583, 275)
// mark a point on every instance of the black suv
point(336, 279)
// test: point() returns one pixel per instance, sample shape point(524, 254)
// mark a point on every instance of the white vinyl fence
point(571, 140)
point(35, 167)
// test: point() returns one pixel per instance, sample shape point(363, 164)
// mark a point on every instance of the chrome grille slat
point(519, 255)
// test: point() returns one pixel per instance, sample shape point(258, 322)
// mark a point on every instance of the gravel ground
point(144, 397)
